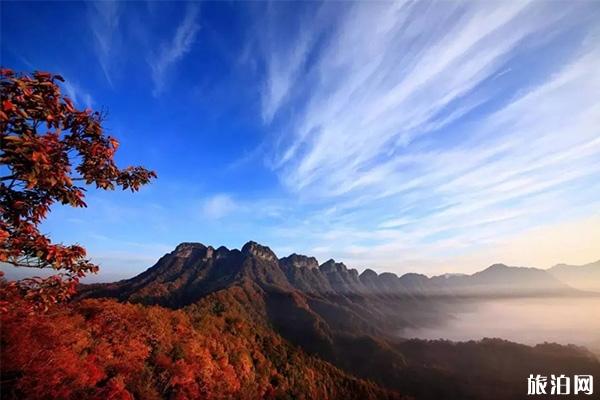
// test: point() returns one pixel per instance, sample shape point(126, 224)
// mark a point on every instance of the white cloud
point(173, 51)
point(115, 43)
point(218, 206)
point(78, 94)
point(104, 20)
point(282, 73)
point(381, 88)
point(285, 60)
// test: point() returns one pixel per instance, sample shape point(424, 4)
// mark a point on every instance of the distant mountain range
point(194, 269)
point(352, 320)
point(583, 277)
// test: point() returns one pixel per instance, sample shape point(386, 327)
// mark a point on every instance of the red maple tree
point(48, 151)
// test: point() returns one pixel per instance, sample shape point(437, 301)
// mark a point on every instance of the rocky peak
point(189, 245)
point(222, 251)
point(368, 275)
point(185, 249)
point(332, 266)
point(412, 278)
point(299, 261)
point(263, 252)
point(497, 267)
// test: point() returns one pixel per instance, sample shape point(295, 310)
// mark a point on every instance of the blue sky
point(413, 136)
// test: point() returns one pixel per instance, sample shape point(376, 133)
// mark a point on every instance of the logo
point(560, 385)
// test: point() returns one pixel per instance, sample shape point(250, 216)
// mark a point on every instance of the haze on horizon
point(384, 135)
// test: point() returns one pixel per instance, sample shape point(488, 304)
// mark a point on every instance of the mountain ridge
point(348, 319)
point(331, 277)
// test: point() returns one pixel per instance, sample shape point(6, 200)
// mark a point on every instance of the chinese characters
point(560, 385)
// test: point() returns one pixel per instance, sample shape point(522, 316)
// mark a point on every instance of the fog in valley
point(565, 320)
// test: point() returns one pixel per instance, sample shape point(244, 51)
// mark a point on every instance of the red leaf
point(7, 105)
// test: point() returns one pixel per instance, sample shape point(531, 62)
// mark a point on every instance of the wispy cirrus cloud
point(78, 94)
point(104, 20)
point(172, 51)
point(115, 42)
point(284, 63)
point(431, 128)
point(381, 88)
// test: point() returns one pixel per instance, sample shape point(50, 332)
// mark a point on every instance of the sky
point(399, 136)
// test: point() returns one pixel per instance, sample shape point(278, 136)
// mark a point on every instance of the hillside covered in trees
point(219, 324)
point(102, 349)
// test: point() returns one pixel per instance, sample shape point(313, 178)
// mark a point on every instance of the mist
point(564, 320)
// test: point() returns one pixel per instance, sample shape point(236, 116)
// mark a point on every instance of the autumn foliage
point(48, 151)
point(214, 349)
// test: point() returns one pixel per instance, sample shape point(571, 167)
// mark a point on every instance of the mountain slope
point(583, 277)
point(102, 349)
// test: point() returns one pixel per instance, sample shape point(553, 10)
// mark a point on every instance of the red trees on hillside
point(102, 349)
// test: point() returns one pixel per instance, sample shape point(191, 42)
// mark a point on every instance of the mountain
point(319, 308)
point(332, 292)
point(351, 321)
point(502, 280)
point(583, 277)
point(193, 270)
